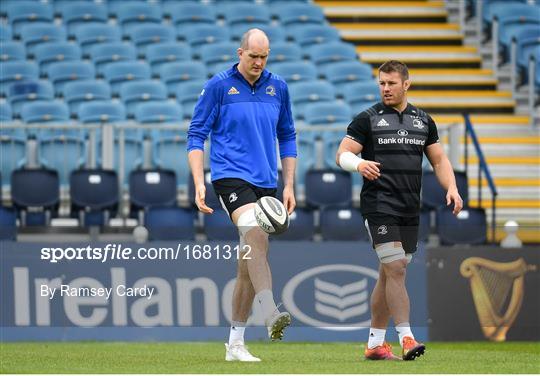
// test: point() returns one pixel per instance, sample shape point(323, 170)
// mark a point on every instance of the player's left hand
point(453, 196)
point(288, 199)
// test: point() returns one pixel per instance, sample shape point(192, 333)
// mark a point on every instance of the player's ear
point(239, 52)
point(407, 84)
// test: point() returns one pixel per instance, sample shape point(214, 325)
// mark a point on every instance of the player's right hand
point(369, 169)
point(200, 195)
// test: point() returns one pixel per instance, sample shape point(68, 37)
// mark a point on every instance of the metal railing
point(482, 168)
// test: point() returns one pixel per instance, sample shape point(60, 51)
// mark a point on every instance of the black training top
point(397, 141)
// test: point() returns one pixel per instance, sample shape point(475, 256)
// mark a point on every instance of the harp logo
point(493, 284)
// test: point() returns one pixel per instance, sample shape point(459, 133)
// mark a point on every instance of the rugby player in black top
point(393, 136)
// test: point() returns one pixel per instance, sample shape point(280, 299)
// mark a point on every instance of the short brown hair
point(395, 66)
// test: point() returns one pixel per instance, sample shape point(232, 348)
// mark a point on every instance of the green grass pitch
point(208, 357)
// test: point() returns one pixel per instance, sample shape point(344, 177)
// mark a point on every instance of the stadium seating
point(151, 188)
point(332, 52)
point(200, 34)
point(136, 92)
point(28, 91)
point(8, 224)
point(5, 111)
point(5, 32)
point(301, 227)
point(63, 152)
point(33, 35)
point(344, 73)
point(214, 54)
point(159, 112)
point(145, 35)
point(170, 223)
point(326, 113)
point(469, 227)
point(342, 224)
point(24, 13)
point(106, 53)
point(12, 153)
point(45, 112)
point(94, 196)
point(187, 94)
point(297, 13)
point(218, 226)
point(43, 202)
point(78, 92)
point(303, 93)
point(434, 196)
point(316, 34)
point(91, 34)
point(172, 74)
point(68, 71)
point(284, 52)
point(328, 187)
point(75, 14)
point(49, 53)
point(133, 15)
point(189, 12)
point(361, 95)
point(295, 71)
point(101, 111)
point(161, 53)
point(12, 51)
point(17, 71)
point(125, 71)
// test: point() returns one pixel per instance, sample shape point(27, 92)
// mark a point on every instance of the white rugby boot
point(276, 324)
point(238, 352)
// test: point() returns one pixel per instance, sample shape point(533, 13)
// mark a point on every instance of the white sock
point(376, 337)
point(266, 300)
point(237, 332)
point(403, 330)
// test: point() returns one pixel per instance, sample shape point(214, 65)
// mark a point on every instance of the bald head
point(254, 37)
point(252, 54)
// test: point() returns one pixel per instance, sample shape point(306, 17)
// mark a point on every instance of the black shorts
point(384, 228)
point(234, 193)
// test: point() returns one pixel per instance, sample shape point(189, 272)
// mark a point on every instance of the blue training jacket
point(244, 122)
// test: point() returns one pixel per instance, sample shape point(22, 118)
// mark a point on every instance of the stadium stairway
point(450, 77)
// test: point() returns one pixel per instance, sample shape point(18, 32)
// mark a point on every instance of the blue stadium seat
point(511, 23)
point(424, 226)
point(12, 153)
point(345, 72)
point(434, 196)
point(63, 153)
point(301, 227)
point(331, 142)
point(17, 71)
point(8, 224)
point(162, 53)
point(69, 71)
point(316, 34)
point(284, 52)
point(159, 112)
point(135, 14)
point(43, 201)
point(45, 112)
point(78, 13)
point(5, 32)
point(361, 95)
point(343, 224)
point(275, 33)
point(332, 52)
point(28, 91)
point(468, 227)
point(327, 113)
point(298, 13)
point(6, 113)
point(246, 13)
point(145, 35)
point(172, 74)
point(151, 188)
point(12, 51)
point(218, 226)
point(125, 71)
point(170, 223)
point(201, 34)
point(328, 187)
point(306, 148)
point(89, 35)
point(189, 12)
point(106, 53)
point(78, 92)
point(169, 152)
point(101, 111)
point(32, 35)
point(187, 94)
point(26, 12)
point(295, 71)
point(527, 39)
point(304, 93)
point(136, 92)
point(49, 53)
point(94, 195)
point(217, 53)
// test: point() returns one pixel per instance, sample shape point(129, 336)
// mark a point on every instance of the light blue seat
point(12, 153)
point(218, 53)
point(275, 33)
point(66, 71)
point(169, 152)
point(246, 13)
point(12, 51)
point(298, 13)
point(306, 148)
point(284, 52)
point(145, 35)
point(304, 93)
point(6, 114)
point(35, 34)
point(91, 34)
point(159, 112)
point(126, 71)
point(78, 13)
point(316, 34)
point(161, 53)
point(28, 91)
point(172, 74)
point(189, 12)
point(327, 113)
point(49, 53)
point(5, 32)
point(295, 71)
point(135, 92)
point(106, 53)
point(200, 34)
point(63, 153)
point(187, 94)
point(26, 12)
point(78, 92)
point(48, 112)
point(527, 38)
point(361, 95)
point(17, 71)
point(332, 52)
point(134, 14)
point(100, 111)
point(342, 73)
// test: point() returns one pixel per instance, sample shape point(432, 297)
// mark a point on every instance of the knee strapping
point(246, 222)
point(388, 252)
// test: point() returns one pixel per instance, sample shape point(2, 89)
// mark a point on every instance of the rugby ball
point(271, 215)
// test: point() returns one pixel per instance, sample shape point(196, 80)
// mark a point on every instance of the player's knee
point(396, 269)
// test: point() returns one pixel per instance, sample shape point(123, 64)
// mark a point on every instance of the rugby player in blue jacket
point(245, 109)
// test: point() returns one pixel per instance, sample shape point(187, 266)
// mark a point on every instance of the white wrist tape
point(349, 162)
